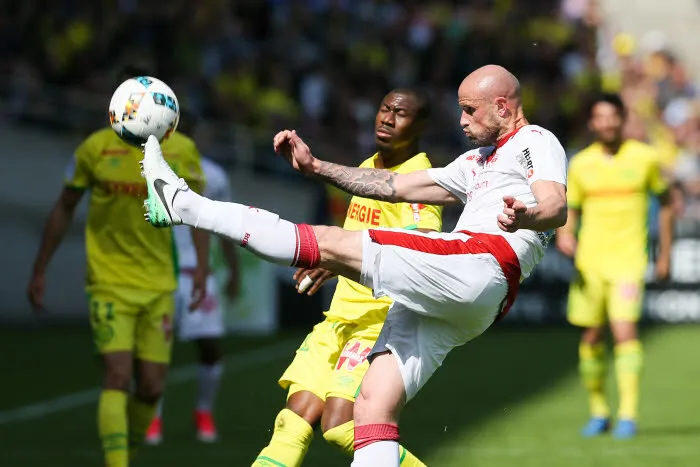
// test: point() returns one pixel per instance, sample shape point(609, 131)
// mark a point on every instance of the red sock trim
point(307, 254)
point(368, 434)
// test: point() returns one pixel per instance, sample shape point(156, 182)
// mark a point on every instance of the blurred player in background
point(204, 325)
point(325, 376)
point(608, 198)
point(130, 284)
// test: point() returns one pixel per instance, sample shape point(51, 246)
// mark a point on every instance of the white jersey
point(483, 176)
point(217, 188)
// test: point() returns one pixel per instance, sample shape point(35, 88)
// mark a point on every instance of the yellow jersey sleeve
point(79, 173)
point(574, 191)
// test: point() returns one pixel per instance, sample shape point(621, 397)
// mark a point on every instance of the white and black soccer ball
point(143, 106)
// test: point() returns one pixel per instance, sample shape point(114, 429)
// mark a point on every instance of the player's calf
point(376, 414)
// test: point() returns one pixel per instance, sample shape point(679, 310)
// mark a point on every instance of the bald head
point(490, 102)
point(490, 82)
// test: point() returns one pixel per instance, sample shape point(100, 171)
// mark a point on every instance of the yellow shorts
point(332, 360)
point(594, 301)
point(132, 320)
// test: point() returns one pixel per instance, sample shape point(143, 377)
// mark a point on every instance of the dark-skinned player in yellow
point(325, 376)
point(130, 285)
point(609, 189)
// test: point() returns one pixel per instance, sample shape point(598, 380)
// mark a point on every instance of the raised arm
point(384, 185)
point(380, 184)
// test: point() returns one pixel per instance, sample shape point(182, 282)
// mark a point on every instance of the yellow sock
point(289, 443)
point(343, 437)
point(112, 426)
point(140, 417)
point(592, 366)
point(407, 459)
point(628, 367)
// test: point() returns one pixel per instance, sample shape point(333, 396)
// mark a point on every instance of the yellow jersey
point(122, 249)
point(353, 301)
point(612, 193)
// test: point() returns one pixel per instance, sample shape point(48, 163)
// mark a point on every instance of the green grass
point(510, 398)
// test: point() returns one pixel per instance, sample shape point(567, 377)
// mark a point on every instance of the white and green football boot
point(162, 184)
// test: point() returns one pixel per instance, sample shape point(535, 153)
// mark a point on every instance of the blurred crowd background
point(250, 67)
point(245, 69)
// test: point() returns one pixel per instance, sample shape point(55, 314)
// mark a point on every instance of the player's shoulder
point(418, 162)
point(368, 163)
point(535, 133)
point(474, 154)
point(639, 149)
point(535, 136)
point(585, 156)
point(100, 142)
point(102, 137)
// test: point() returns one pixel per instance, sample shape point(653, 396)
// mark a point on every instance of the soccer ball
point(143, 106)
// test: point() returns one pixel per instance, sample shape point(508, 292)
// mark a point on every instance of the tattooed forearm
point(367, 183)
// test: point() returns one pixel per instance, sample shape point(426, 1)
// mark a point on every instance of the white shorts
point(448, 288)
point(205, 322)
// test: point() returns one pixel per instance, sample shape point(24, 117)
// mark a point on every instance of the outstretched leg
point(170, 201)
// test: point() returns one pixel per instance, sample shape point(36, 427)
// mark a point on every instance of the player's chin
point(382, 142)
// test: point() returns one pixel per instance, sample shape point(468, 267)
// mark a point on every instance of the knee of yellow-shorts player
point(306, 405)
point(117, 372)
point(150, 390)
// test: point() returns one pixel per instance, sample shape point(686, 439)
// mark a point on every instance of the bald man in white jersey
point(447, 288)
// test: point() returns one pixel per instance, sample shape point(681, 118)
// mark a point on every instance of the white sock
point(377, 454)
point(262, 232)
point(208, 378)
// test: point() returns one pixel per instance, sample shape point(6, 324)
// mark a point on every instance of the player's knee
point(331, 239)
point(363, 411)
point(326, 238)
point(150, 390)
point(209, 351)
point(307, 406)
point(624, 331)
point(372, 406)
point(592, 335)
point(334, 418)
point(118, 377)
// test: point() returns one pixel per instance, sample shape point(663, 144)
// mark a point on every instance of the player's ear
point(502, 106)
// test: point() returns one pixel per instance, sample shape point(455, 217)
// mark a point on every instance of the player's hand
point(513, 212)
point(662, 268)
point(35, 292)
point(289, 145)
point(318, 277)
point(566, 243)
point(199, 288)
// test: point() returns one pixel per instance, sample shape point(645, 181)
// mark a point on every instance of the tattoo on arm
point(368, 183)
